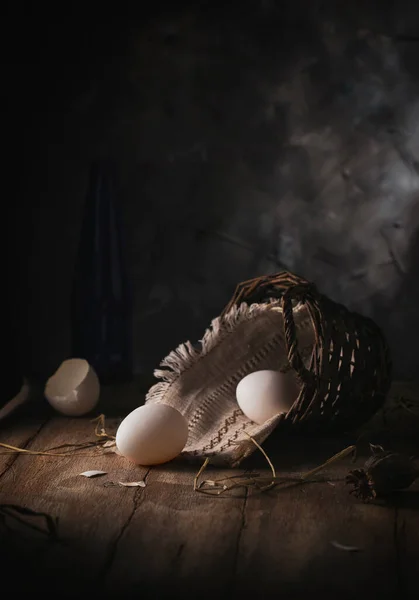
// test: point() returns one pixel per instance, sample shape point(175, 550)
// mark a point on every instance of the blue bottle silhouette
point(101, 310)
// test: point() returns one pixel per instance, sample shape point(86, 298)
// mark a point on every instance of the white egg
point(74, 388)
point(263, 394)
point(152, 434)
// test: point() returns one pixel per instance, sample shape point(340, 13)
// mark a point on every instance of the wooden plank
point(286, 547)
point(20, 429)
point(166, 538)
point(20, 436)
point(179, 541)
point(91, 516)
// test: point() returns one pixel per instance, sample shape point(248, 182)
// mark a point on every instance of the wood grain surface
point(167, 539)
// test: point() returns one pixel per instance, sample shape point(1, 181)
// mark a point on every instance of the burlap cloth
point(201, 382)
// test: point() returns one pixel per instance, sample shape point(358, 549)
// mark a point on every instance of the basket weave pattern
point(349, 374)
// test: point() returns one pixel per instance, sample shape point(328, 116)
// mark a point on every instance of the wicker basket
point(349, 373)
point(339, 358)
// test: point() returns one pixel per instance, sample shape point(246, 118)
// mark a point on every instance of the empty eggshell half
point(152, 434)
point(74, 388)
point(263, 394)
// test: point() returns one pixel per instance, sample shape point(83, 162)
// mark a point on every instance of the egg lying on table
point(263, 394)
point(74, 388)
point(152, 434)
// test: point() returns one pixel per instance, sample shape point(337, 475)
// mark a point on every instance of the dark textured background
point(250, 136)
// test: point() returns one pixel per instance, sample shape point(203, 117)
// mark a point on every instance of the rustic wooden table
point(165, 539)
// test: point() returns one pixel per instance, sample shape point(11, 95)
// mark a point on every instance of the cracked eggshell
point(152, 434)
point(74, 388)
point(263, 394)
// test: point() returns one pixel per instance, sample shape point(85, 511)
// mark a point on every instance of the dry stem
point(14, 449)
point(255, 480)
point(268, 460)
point(198, 475)
point(100, 432)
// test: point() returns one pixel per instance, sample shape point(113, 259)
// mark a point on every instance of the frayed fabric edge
point(185, 355)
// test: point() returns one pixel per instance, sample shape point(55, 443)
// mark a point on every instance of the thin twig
point(100, 432)
point(268, 460)
point(336, 457)
point(33, 452)
point(198, 475)
point(272, 481)
point(84, 445)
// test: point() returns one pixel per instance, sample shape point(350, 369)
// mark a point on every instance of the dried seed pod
point(383, 473)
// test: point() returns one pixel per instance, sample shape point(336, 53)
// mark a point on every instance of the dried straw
point(100, 429)
point(15, 449)
point(100, 432)
point(218, 486)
